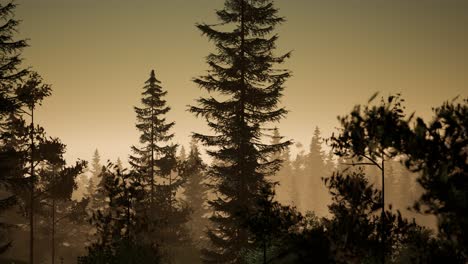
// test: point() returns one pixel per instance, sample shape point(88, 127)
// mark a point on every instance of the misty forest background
point(387, 187)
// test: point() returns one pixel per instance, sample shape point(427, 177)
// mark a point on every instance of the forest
point(387, 187)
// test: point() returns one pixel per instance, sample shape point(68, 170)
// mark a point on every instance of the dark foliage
point(243, 74)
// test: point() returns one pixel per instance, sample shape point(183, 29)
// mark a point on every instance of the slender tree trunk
point(152, 157)
point(32, 187)
point(383, 210)
point(53, 230)
point(170, 193)
point(129, 200)
point(243, 237)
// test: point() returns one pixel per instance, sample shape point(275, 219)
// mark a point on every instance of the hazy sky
point(98, 53)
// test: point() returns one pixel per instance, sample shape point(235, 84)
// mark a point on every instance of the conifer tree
point(121, 227)
point(315, 170)
point(195, 190)
point(156, 157)
point(242, 71)
point(96, 168)
point(155, 160)
point(93, 190)
point(10, 50)
point(56, 183)
point(30, 139)
point(10, 75)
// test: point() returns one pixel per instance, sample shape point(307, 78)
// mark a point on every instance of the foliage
point(193, 169)
point(156, 163)
point(120, 229)
point(248, 87)
point(438, 150)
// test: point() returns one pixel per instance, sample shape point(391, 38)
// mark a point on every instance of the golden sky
point(98, 53)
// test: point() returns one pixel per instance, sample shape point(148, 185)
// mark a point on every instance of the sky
point(97, 54)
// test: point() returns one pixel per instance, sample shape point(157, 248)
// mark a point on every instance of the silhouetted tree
point(355, 227)
point(10, 75)
point(56, 185)
point(93, 192)
point(156, 161)
point(371, 135)
point(195, 189)
point(10, 52)
point(29, 139)
point(120, 225)
point(243, 71)
point(315, 170)
point(438, 150)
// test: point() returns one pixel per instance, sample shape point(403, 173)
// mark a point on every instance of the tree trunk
point(383, 210)
point(53, 230)
point(32, 187)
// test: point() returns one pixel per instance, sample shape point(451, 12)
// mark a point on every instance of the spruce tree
point(120, 226)
point(155, 160)
point(156, 157)
point(10, 49)
point(243, 74)
point(93, 190)
point(315, 170)
point(10, 75)
point(96, 168)
point(195, 190)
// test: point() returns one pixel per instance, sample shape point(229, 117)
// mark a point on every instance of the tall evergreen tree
point(120, 225)
point(242, 71)
point(315, 170)
point(56, 183)
point(195, 190)
point(10, 75)
point(156, 157)
point(31, 139)
point(95, 189)
point(10, 49)
point(156, 161)
point(96, 168)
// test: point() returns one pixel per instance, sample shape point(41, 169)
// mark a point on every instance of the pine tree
point(10, 49)
point(243, 71)
point(315, 170)
point(156, 161)
point(56, 184)
point(10, 75)
point(121, 227)
point(94, 188)
point(195, 190)
point(156, 157)
point(96, 168)
point(30, 139)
